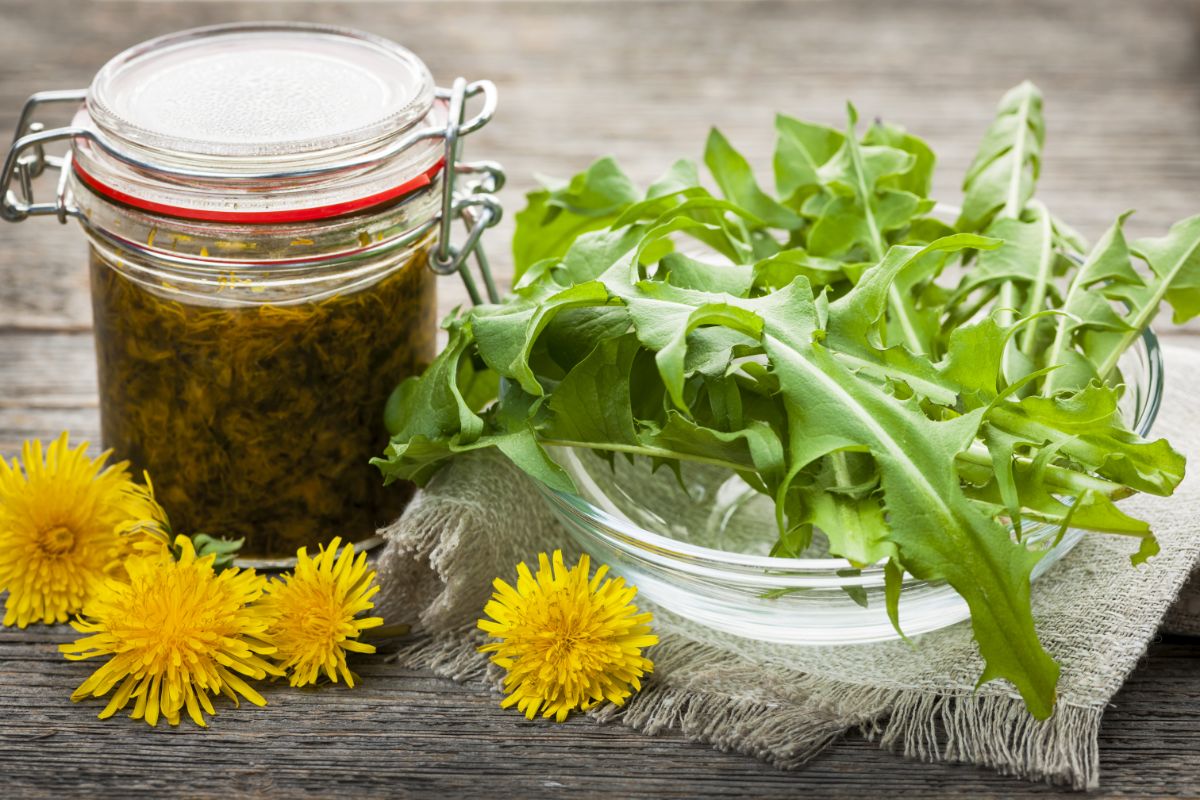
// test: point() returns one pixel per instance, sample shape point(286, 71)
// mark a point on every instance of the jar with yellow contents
point(266, 207)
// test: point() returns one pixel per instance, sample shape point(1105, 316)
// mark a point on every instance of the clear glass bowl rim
point(672, 552)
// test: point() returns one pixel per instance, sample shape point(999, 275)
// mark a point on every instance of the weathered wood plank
point(405, 733)
point(642, 81)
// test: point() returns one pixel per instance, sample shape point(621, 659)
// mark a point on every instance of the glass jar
point(266, 207)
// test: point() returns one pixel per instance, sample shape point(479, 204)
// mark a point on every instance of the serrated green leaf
point(1174, 261)
point(689, 273)
point(801, 149)
point(444, 410)
point(777, 271)
point(1106, 277)
point(736, 179)
point(856, 321)
point(505, 334)
point(1001, 178)
point(554, 217)
point(893, 583)
point(917, 179)
point(1087, 428)
point(592, 404)
point(921, 493)
point(863, 208)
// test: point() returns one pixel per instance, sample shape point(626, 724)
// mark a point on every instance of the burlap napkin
point(785, 704)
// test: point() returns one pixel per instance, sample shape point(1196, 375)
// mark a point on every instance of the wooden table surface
point(642, 81)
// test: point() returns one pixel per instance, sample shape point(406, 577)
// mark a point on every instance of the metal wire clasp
point(472, 200)
point(27, 159)
point(468, 187)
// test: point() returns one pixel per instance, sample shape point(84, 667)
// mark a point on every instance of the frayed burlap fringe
point(987, 730)
point(997, 732)
point(785, 704)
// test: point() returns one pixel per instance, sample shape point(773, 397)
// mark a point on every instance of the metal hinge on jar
point(468, 187)
point(27, 160)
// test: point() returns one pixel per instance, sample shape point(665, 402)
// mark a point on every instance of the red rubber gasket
point(289, 215)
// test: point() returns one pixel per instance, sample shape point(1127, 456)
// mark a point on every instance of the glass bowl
point(699, 546)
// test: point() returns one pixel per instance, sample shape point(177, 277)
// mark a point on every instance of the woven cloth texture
point(1096, 615)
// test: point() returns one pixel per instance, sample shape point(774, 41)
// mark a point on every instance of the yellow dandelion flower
point(59, 511)
point(315, 613)
point(175, 632)
point(146, 528)
point(566, 642)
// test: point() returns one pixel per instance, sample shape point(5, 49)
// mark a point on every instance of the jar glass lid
point(260, 90)
point(260, 121)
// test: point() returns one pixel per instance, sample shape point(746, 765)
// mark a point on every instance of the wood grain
point(642, 81)
point(406, 734)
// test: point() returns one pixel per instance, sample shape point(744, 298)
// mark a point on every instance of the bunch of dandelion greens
point(175, 621)
point(918, 391)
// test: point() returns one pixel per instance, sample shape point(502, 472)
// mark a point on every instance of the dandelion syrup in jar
point(266, 207)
